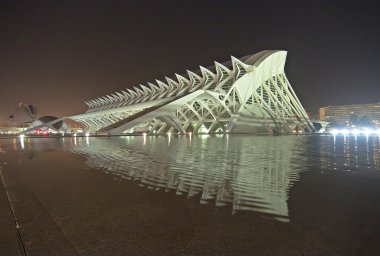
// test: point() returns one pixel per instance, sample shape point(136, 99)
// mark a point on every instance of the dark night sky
point(58, 54)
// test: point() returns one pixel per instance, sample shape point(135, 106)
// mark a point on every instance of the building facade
point(344, 113)
point(247, 95)
point(9, 128)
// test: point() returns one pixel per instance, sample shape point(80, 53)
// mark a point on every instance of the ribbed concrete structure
point(247, 95)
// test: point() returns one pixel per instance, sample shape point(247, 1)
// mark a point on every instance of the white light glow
point(22, 144)
point(367, 131)
point(355, 131)
point(144, 138)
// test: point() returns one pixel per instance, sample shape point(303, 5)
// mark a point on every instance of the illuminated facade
point(343, 113)
point(247, 95)
point(9, 128)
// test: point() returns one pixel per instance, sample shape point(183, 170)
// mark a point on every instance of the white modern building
point(247, 95)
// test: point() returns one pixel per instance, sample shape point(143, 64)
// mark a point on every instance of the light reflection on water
point(357, 154)
point(249, 173)
point(246, 173)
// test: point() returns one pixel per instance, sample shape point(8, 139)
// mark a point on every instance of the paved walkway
point(8, 236)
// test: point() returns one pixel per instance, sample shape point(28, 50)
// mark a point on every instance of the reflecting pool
point(242, 173)
point(307, 182)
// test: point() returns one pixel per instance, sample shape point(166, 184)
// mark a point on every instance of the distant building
point(11, 128)
point(344, 113)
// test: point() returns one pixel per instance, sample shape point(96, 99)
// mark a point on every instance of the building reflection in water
point(355, 154)
point(247, 173)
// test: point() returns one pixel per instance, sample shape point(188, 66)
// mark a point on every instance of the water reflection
point(356, 154)
point(245, 172)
